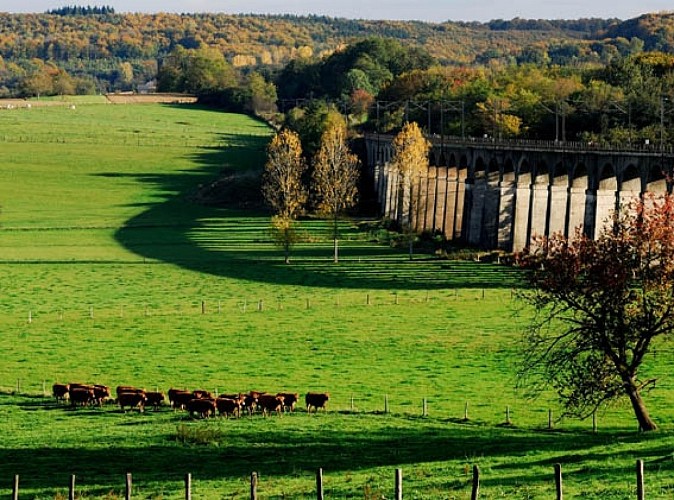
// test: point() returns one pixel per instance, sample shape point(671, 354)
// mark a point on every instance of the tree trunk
point(640, 410)
point(335, 238)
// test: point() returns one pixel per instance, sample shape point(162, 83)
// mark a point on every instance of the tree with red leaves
point(599, 307)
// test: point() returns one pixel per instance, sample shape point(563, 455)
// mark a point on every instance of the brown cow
point(250, 401)
point(101, 394)
point(128, 388)
point(201, 407)
point(131, 400)
point(179, 399)
point(228, 406)
point(81, 395)
point(60, 391)
point(154, 399)
point(290, 399)
point(201, 394)
point(270, 403)
point(316, 400)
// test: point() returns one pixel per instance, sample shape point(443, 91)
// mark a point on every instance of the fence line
point(320, 490)
point(244, 305)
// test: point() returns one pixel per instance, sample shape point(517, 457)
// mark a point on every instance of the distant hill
point(655, 30)
point(94, 44)
point(258, 39)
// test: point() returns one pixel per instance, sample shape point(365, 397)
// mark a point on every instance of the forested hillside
point(106, 51)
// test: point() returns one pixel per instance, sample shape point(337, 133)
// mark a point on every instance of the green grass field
point(111, 273)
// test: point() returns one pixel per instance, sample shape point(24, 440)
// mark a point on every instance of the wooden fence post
point(319, 484)
point(399, 485)
point(424, 407)
point(640, 480)
point(188, 486)
point(127, 495)
point(15, 488)
point(465, 411)
point(594, 421)
point(71, 488)
point(386, 403)
point(558, 481)
point(549, 419)
point(203, 307)
point(475, 493)
point(507, 415)
point(367, 299)
point(352, 405)
point(253, 486)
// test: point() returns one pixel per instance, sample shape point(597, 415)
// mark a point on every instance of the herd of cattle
point(198, 403)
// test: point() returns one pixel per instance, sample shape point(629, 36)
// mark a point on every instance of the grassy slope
point(97, 220)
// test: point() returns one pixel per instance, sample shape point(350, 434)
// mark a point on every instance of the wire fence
point(397, 485)
point(50, 313)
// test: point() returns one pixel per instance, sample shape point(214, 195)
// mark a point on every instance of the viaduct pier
point(497, 194)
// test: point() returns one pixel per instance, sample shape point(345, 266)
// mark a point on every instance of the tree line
point(92, 42)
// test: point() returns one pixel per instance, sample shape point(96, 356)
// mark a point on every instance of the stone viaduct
point(495, 194)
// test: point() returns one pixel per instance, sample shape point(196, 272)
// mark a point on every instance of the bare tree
point(600, 305)
point(335, 178)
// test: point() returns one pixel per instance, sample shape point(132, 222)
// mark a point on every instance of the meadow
point(111, 272)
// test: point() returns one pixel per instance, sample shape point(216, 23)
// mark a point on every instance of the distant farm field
point(111, 272)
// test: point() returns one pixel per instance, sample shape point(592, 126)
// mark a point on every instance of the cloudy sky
point(426, 10)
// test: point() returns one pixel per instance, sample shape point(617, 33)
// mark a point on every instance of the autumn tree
point(335, 178)
point(497, 120)
point(600, 305)
point(40, 81)
point(410, 161)
point(284, 234)
point(195, 71)
point(262, 94)
point(282, 185)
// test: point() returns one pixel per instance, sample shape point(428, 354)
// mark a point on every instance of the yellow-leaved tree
point(335, 178)
point(282, 186)
point(410, 161)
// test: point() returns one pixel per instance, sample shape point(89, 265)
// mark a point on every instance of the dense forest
point(95, 43)
point(587, 79)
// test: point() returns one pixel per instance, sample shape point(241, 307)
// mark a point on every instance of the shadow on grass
point(235, 242)
point(242, 449)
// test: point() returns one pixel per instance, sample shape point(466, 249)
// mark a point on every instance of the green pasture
point(111, 273)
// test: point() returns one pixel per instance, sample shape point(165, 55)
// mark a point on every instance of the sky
point(423, 10)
